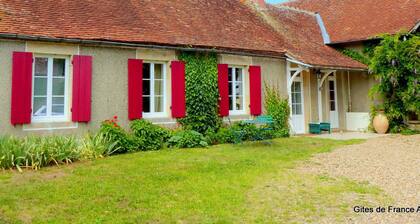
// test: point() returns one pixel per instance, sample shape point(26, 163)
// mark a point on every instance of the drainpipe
point(349, 91)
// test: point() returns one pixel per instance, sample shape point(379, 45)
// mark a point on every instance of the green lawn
point(253, 182)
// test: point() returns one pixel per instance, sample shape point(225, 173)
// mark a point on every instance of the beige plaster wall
point(360, 84)
point(110, 81)
point(6, 49)
point(273, 72)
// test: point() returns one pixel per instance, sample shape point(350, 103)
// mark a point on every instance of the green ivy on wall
point(364, 56)
point(202, 92)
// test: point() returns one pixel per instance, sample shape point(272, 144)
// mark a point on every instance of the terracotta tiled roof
point(303, 39)
point(354, 20)
point(222, 24)
point(199, 23)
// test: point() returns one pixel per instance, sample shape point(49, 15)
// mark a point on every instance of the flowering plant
point(116, 136)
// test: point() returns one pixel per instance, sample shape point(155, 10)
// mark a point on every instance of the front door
point(332, 90)
point(298, 121)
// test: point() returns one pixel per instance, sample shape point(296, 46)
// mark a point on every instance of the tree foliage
point(396, 64)
point(202, 92)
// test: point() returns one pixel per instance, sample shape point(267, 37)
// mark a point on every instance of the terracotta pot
point(380, 123)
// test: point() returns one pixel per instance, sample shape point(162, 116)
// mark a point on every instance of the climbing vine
point(202, 92)
point(396, 64)
point(363, 56)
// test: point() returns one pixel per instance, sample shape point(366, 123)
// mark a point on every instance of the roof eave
point(317, 66)
point(180, 47)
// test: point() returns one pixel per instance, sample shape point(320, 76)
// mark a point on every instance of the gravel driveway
point(391, 163)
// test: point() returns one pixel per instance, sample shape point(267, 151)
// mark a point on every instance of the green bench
point(264, 122)
point(318, 128)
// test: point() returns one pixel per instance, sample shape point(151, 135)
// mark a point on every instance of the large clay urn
point(380, 123)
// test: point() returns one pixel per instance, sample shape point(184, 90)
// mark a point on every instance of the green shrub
point(95, 146)
point(211, 137)
point(278, 108)
point(116, 138)
point(201, 92)
point(36, 152)
point(249, 131)
point(187, 139)
point(225, 135)
point(148, 136)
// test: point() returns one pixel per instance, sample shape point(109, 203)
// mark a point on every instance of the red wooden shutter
point(21, 88)
point(223, 90)
point(135, 89)
point(178, 89)
point(255, 90)
point(82, 88)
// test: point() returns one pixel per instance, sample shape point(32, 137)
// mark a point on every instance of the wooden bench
point(318, 128)
point(265, 123)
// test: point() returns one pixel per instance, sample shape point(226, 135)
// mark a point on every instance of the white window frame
point(234, 111)
point(153, 114)
point(49, 117)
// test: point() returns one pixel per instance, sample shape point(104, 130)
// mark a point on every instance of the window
point(49, 101)
point(332, 95)
point(154, 101)
point(297, 98)
point(236, 90)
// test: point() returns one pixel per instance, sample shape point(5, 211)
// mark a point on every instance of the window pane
point(146, 87)
point(158, 87)
point(239, 103)
point(146, 71)
point(230, 89)
point(298, 109)
point(41, 66)
point(332, 95)
point(58, 67)
point(58, 86)
point(57, 106)
point(238, 89)
point(332, 105)
point(40, 106)
point(331, 85)
point(40, 86)
point(58, 100)
point(298, 98)
point(158, 104)
point(230, 103)
point(293, 109)
point(57, 110)
point(230, 74)
point(158, 71)
point(296, 86)
point(146, 104)
point(238, 74)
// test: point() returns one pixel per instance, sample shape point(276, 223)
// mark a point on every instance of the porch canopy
point(313, 94)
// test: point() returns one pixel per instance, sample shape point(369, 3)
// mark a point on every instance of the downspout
point(349, 91)
point(310, 97)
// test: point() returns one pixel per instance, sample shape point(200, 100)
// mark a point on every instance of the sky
point(275, 1)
